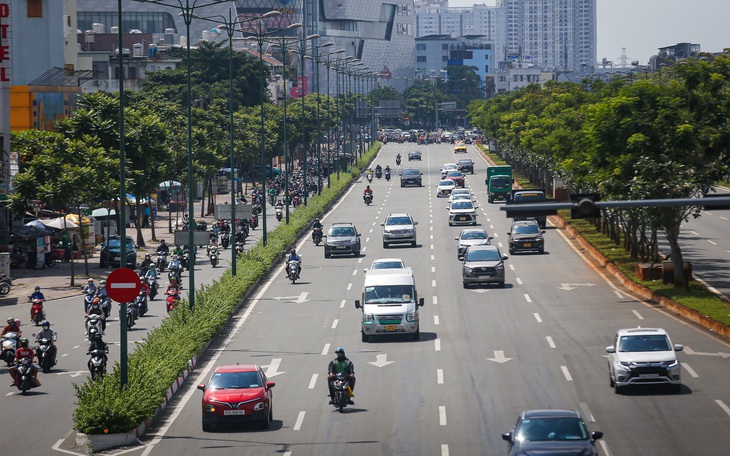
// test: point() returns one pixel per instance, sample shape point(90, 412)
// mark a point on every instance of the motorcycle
point(36, 311)
point(317, 235)
point(370, 178)
point(225, 240)
point(97, 363)
point(141, 303)
point(368, 198)
point(296, 201)
point(161, 261)
point(239, 247)
point(94, 321)
point(172, 299)
point(131, 314)
point(175, 270)
point(294, 268)
point(106, 305)
point(397, 160)
point(213, 254)
point(25, 379)
point(387, 175)
point(278, 213)
point(5, 283)
point(341, 386)
point(378, 173)
point(8, 345)
point(185, 260)
point(254, 222)
point(44, 352)
point(152, 283)
point(88, 299)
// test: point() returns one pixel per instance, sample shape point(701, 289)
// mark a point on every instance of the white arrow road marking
point(499, 357)
point(272, 370)
point(573, 286)
point(381, 361)
point(297, 299)
point(689, 351)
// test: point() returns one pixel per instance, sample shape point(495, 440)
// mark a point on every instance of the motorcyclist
point(213, 243)
point(37, 295)
point(96, 343)
point(47, 333)
point(378, 169)
point(397, 157)
point(178, 250)
point(387, 169)
point(317, 224)
point(95, 309)
point(90, 287)
point(145, 265)
point(12, 326)
point(293, 257)
point(340, 365)
point(172, 287)
point(24, 351)
point(367, 191)
point(163, 247)
point(151, 273)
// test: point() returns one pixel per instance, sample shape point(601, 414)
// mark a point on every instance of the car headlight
point(467, 270)
point(411, 316)
point(624, 363)
point(259, 406)
point(368, 318)
point(672, 363)
point(209, 408)
point(499, 267)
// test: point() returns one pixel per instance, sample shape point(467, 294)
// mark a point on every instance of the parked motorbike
point(172, 299)
point(8, 345)
point(341, 386)
point(97, 363)
point(5, 283)
point(387, 175)
point(317, 235)
point(161, 261)
point(44, 351)
point(368, 198)
point(37, 315)
point(294, 268)
point(26, 380)
point(225, 240)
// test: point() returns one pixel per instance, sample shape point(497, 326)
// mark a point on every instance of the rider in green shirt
point(340, 365)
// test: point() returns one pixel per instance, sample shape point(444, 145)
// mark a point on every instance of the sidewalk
point(55, 281)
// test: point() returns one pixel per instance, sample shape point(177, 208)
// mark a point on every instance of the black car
point(411, 176)
point(526, 235)
point(111, 252)
point(466, 165)
point(414, 155)
point(551, 432)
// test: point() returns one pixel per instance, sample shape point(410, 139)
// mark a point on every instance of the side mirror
point(595, 435)
point(270, 385)
point(542, 232)
point(507, 437)
point(476, 207)
point(677, 347)
point(509, 233)
point(201, 387)
point(420, 302)
point(456, 238)
point(357, 304)
point(358, 234)
point(505, 257)
point(610, 349)
point(415, 223)
point(382, 224)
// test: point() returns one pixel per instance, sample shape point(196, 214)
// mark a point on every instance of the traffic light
point(585, 206)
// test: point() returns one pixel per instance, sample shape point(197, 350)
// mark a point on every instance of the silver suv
point(483, 264)
point(643, 356)
point(399, 228)
point(342, 238)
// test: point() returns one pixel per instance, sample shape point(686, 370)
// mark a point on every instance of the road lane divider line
point(435, 300)
point(442, 415)
point(537, 317)
point(566, 372)
point(435, 320)
point(444, 450)
point(619, 294)
point(638, 315)
point(512, 267)
point(367, 239)
point(359, 260)
point(604, 448)
point(499, 244)
point(433, 268)
point(342, 303)
point(326, 350)
point(334, 323)
point(439, 376)
point(527, 298)
point(431, 236)
point(691, 371)
point(349, 286)
point(431, 246)
point(437, 344)
point(433, 258)
point(712, 242)
point(518, 280)
point(298, 423)
point(433, 283)
point(313, 381)
point(371, 230)
point(550, 342)
point(354, 272)
point(723, 406)
point(587, 415)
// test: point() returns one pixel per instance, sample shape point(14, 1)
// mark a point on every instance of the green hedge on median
point(104, 407)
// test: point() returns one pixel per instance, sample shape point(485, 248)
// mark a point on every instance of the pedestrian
point(146, 217)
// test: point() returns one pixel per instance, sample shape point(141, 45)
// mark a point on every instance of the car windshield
point(386, 294)
point(342, 232)
point(524, 197)
point(644, 343)
point(501, 182)
point(387, 265)
point(446, 183)
point(465, 162)
point(454, 174)
point(462, 205)
point(234, 380)
point(398, 221)
point(526, 229)
point(474, 235)
point(482, 255)
point(545, 429)
point(115, 243)
point(411, 172)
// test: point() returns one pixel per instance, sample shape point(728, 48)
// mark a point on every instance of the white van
point(389, 304)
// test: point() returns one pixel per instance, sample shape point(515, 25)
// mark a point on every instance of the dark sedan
point(414, 155)
point(411, 176)
point(556, 432)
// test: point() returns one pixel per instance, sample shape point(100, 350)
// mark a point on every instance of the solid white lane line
point(619, 294)
point(537, 317)
point(440, 376)
point(518, 280)
point(444, 450)
point(587, 415)
point(435, 320)
point(638, 315)
point(442, 415)
point(342, 303)
point(435, 300)
point(527, 298)
point(313, 381)
point(437, 344)
point(691, 371)
point(723, 406)
point(326, 350)
point(349, 286)
point(550, 341)
point(566, 372)
point(334, 323)
point(298, 423)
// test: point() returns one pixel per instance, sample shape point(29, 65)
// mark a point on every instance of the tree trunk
point(672, 233)
point(137, 224)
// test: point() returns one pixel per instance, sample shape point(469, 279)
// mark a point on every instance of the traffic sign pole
point(123, 285)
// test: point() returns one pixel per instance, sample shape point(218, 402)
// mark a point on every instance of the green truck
point(499, 183)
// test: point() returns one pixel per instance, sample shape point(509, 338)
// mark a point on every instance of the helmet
point(368, 186)
point(95, 301)
point(97, 336)
point(152, 266)
point(147, 255)
point(340, 350)
point(162, 241)
point(91, 280)
point(37, 288)
point(46, 323)
point(293, 251)
point(173, 279)
point(24, 342)
point(11, 321)
point(102, 283)
point(317, 219)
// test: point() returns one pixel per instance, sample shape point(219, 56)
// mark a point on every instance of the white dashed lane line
point(550, 341)
point(566, 372)
point(537, 317)
point(440, 376)
point(638, 315)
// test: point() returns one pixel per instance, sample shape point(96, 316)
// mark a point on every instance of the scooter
point(44, 352)
point(397, 160)
point(225, 240)
point(254, 222)
point(278, 213)
point(141, 302)
point(106, 305)
point(171, 302)
point(368, 198)
point(213, 254)
point(36, 311)
point(8, 345)
point(131, 314)
point(175, 270)
point(5, 283)
point(88, 299)
point(161, 261)
point(25, 378)
point(341, 386)
point(97, 363)
point(293, 270)
point(152, 283)
point(96, 322)
point(369, 177)
point(387, 175)
point(239, 247)
point(317, 235)
point(378, 173)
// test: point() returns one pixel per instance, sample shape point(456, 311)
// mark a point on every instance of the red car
point(457, 177)
point(237, 394)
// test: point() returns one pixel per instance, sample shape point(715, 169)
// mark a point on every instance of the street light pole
point(329, 117)
point(123, 354)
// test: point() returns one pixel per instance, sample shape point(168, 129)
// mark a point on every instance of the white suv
point(643, 356)
point(399, 228)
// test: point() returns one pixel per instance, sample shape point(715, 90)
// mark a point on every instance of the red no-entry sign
point(123, 285)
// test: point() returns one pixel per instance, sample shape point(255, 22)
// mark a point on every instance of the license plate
point(484, 275)
point(234, 412)
point(341, 247)
point(462, 217)
point(649, 376)
point(527, 244)
point(391, 328)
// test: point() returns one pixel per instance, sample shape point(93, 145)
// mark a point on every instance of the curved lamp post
point(329, 116)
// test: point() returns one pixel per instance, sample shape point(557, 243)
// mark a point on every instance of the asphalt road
point(485, 353)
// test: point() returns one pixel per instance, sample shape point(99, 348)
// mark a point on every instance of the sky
point(643, 26)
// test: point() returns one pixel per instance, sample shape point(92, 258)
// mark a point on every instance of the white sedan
point(444, 188)
point(448, 167)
